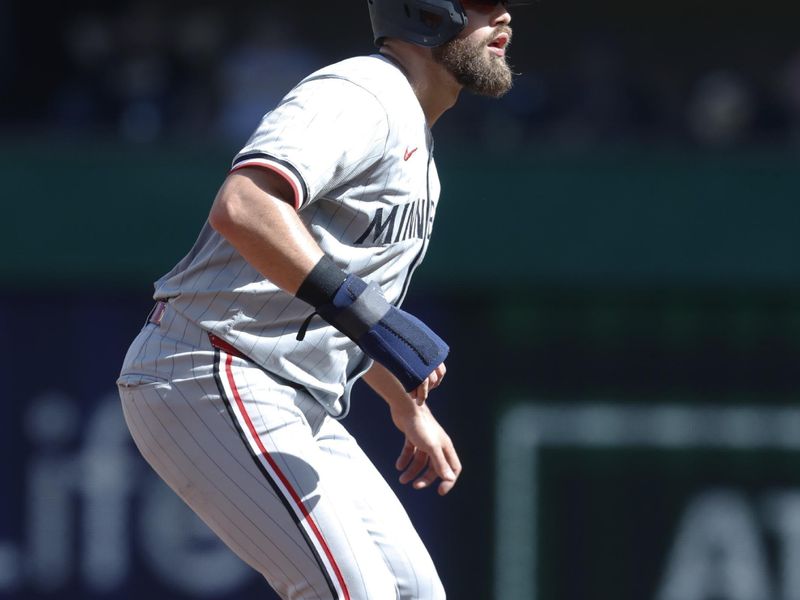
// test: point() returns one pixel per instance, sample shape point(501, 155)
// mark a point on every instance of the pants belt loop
point(157, 313)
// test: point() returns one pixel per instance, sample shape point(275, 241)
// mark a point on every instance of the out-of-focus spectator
point(142, 74)
point(261, 67)
point(200, 41)
point(82, 102)
point(121, 73)
point(722, 109)
point(146, 70)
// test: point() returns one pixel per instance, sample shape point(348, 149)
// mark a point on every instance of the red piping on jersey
point(274, 169)
point(282, 477)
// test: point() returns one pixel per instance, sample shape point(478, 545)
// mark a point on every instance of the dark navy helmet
point(427, 23)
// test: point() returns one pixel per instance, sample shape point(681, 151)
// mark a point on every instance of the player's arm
point(254, 211)
point(428, 451)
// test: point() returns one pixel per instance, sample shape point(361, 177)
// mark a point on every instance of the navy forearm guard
point(403, 344)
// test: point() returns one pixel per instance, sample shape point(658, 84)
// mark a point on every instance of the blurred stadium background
point(616, 265)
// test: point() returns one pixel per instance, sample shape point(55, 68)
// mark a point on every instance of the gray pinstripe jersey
point(352, 141)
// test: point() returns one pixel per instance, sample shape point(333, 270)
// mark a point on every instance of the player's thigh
point(243, 456)
point(382, 515)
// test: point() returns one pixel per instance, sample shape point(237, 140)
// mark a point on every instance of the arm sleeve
point(323, 133)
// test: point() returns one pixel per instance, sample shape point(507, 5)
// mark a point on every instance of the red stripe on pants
point(295, 497)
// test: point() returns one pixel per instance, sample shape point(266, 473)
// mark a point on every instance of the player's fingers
point(406, 454)
point(455, 465)
point(433, 379)
point(439, 467)
point(452, 458)
point(415, 468)
point(437, 376)
point(445, 487)
point(421, 393)
point(431, 382)
point(427, 478)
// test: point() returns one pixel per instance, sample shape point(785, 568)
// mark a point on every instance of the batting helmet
point(427, 23)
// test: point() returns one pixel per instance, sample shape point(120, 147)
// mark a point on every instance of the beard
point(482, 74)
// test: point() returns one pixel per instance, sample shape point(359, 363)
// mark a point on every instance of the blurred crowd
point(147, 72)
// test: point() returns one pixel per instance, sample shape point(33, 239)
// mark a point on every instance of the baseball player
point(235, 388)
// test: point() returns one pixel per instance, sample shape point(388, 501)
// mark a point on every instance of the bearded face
point(474, 66)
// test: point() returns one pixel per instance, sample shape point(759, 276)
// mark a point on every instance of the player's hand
point(431, 383)
point(428, 452)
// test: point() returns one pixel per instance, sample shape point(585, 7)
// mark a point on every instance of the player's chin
point(495, 79)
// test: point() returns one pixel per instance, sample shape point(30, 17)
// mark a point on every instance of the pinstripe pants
point(284, 485)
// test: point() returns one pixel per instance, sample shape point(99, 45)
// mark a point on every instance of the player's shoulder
point(373, 66)
point(374, 74)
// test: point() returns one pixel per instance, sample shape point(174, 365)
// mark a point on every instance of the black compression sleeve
point(322, 282)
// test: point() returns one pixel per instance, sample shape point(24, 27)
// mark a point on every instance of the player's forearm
point(388, 387)
point(253, 214)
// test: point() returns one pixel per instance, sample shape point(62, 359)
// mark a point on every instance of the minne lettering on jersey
point(398, 224)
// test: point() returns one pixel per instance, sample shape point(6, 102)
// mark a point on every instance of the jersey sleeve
point(324, 133)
